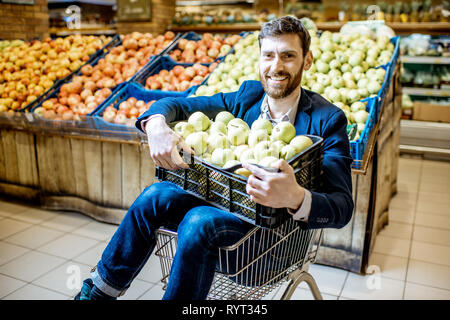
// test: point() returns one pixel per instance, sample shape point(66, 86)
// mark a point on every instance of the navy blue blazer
point(331, 208)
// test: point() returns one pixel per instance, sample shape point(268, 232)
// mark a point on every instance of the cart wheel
point(298, 277)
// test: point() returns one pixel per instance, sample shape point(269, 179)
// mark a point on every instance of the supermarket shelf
point(431, 139)
point(88, 31)
point(426, 92)
point(431, 28)
point(425, 60)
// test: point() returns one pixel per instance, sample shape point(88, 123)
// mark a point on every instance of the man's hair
point(286, 25)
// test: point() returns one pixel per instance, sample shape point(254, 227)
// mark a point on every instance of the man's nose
point(277, 64)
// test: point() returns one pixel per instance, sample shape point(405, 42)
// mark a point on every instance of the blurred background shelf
point(429, 92)
point(425, 60)
point(430, 139)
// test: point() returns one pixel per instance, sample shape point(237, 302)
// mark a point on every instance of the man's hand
point(274, 189)
point(164, 143)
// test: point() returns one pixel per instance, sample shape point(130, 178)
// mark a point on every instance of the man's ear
point(308, 60)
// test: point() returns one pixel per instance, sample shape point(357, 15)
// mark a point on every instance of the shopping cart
point(257, 264)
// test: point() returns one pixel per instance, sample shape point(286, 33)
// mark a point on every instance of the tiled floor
point(46, 254)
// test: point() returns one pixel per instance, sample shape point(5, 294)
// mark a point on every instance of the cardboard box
point(431, 112)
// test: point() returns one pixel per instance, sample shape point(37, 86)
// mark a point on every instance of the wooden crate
point(18, 166)
point(344, 248)
point(99, 178)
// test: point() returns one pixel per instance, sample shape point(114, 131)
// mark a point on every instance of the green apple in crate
point(198, 142)
point(301, 143)
point(224, 117)
point(283, 131)
point(218, 140)
point(220, 156)
point(199, 121)
point(264, 149)
point(184, 129)
point(264, 124)
point(256, 136)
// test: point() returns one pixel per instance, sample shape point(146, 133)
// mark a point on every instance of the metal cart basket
point(257, 264)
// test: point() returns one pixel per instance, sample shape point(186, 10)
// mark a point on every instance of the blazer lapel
point(303, 118)
point(254, 112)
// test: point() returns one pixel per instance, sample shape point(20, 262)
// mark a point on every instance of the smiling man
point(201, 228)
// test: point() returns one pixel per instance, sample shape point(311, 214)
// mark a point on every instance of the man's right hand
point(164, 143)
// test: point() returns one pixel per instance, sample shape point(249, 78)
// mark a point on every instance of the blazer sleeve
point(176, 109)
point(333, 207)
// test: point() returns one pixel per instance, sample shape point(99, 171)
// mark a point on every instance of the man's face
point(281, 64)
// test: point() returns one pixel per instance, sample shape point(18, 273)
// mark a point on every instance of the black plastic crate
point(226, 190)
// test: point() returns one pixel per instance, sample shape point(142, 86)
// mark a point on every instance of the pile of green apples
point(227, 141)
point(237, 67)
point(346, 70)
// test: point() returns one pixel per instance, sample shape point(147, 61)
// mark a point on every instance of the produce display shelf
point(425, 60)
point(431, 28)
point(426, 92)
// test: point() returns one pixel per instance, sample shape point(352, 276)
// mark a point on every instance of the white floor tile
point(372, 287)
point(34, 237)
point(433, 208)
point(137, 289)
point(68, 246)
point(397, 230)
point(155, 293)
point(306, 294)
point(433, 198)
point(392, 246)
point(408, 187)
point(10, 208)
point(96, 230)
point(151, 272)
point(35, 215)
point(403, 203)
point(91, 256)
point(401, 215)
point(66, 279)
point(30, 266)
point(9, 227)
point(418, 292)
point(329, 280)
point(432, 235)
point(432, 220)
point(429, 274)
point(9, 285)
point(390, 266)
point(32, 292)
point(67, 221)
point(9, 252)
point(429, 252)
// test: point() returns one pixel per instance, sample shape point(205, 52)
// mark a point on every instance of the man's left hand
point(274, 189)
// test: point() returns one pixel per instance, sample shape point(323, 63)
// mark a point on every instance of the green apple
point(199, 120)
point(288, 151)
point(220, 156)
point(217, 126)
point(206, 156)
point(184, 129)
point(239, 150)
point(198, 142)
point(358, 105)
point(360, 116)
point(237, 122)
point(264, 149)
point(246, 155)
point(267, 161)
point(224, 117)
point(262, 124)
point(237, 135)
point(218, 140)
point(301, 143)
point(243, 172)
point(230, 163)
point(278, 145)
point(283, 131)
point(373, 86)
point(257, 136)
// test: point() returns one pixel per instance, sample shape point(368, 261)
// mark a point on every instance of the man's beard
point(283, 91)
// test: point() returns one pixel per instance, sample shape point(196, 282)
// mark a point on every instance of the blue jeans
point(202, 229)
